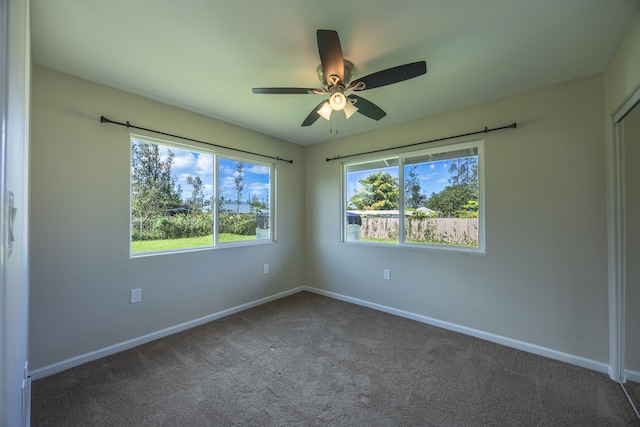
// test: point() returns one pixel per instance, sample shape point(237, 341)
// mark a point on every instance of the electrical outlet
point(387, 275)
point(266, 268)
point(136, 295)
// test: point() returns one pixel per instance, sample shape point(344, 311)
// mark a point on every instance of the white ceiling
point(206, 56)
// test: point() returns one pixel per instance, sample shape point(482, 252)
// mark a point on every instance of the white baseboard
point(509, 342)
point(94, 355)
point(632, 375)
point(612, 374)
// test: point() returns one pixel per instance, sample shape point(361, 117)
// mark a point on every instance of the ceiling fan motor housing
point(349, 71)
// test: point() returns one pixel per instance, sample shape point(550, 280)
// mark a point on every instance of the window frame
point(401, 160)
point(216, 154)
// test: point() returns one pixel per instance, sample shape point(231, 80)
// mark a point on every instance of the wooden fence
point(456, 231)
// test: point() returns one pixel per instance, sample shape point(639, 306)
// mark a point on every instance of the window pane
point(441, 198)
point(171, 198)
point(244, 198)
point(372, 201)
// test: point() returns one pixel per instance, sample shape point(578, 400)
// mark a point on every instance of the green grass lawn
point(379, 240)
point(191, 242)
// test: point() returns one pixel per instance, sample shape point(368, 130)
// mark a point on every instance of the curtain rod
point(485, 130)
point(103, 119)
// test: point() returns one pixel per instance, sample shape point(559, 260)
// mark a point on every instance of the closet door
point(630, 127)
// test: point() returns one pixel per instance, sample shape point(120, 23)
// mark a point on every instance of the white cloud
point(226, 170)
point(164, 152)
point(204, 164)
point(259, 188)
point(208, 189)
point(184, 160)
point(227, 185)
point(428, 176)
point(259, 170)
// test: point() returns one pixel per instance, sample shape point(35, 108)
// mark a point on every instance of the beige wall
point(622, 75)
point(81, 272)
point(543, 279)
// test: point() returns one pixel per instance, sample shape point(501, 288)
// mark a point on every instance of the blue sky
point(433, 177)
point(188, 163)
point(254, 177)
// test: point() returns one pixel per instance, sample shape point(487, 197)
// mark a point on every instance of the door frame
point(15, 75)
point(4, 66)
point(617, 247)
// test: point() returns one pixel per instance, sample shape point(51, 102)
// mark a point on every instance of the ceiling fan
point(335, 74)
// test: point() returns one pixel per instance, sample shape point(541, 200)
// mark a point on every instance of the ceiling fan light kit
point(336, 74)
point(350, 109)
point(325, 110)
point(338, 101)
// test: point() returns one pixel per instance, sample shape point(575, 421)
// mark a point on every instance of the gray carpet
point(308, 360)
point(633, 390)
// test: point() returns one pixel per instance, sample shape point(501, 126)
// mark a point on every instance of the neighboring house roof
point(426, 210)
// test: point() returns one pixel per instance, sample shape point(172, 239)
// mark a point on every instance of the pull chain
point(331, 123)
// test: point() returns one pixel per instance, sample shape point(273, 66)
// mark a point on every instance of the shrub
point(237, 223)
point(175, 227)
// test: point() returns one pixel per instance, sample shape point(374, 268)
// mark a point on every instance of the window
point(186, 198)
point(244, 200)
point(374, 196)
point(430, 198)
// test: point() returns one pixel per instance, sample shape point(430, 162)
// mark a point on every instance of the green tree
point(464, 171)
point(239, 184)
point(412, 196)
point(378, 191)
point(221, 202)
point(470, 210)
point(256, 206)
point(451, 199)
point(460, 199)
point(153, 188)
point(197, 194)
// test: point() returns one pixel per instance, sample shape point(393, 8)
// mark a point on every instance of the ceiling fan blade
point(283, 90)
point(368, 108)
point(313, 115)
point(330, 52)
point(393, 75)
